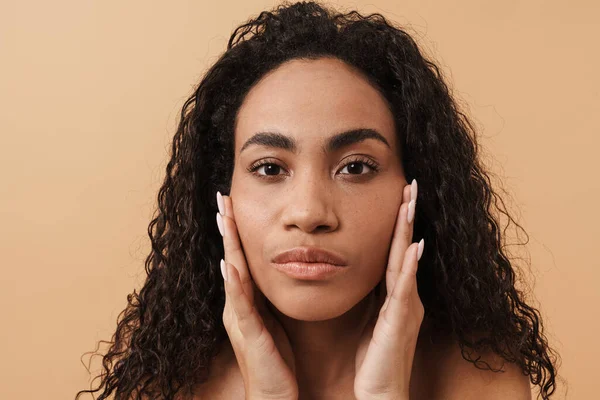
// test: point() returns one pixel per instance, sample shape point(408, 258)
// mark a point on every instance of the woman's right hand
point(260, 344)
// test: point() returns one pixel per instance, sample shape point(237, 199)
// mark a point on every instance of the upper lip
point(309, 255)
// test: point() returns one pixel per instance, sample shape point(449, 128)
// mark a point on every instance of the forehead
point(312, 100)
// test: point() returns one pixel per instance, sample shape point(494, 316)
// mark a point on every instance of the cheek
point(251, 220)
point(247, 218)
point(373, 244)
point(373, 232)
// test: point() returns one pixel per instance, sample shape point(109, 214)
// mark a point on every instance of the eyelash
point(367, 161)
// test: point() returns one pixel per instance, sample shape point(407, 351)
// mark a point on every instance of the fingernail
point(220, 224)
point(420, 249)
point(220, 203)
point(414, 189)
point(223, 270)
point(411, 211)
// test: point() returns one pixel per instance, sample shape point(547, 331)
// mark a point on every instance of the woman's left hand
point(387, 346)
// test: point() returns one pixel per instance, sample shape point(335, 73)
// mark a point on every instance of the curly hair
point(170, 331)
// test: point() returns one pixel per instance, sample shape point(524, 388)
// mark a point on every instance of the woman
point(312, 139)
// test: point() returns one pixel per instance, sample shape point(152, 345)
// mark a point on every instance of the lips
point(309, 255)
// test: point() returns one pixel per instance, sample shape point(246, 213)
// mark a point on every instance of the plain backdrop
point(90, 95)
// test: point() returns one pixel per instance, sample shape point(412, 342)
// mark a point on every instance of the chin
point(303, 313)
point(312, 307)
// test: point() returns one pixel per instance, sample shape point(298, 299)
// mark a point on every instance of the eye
point(271, 169)
point(355, 167)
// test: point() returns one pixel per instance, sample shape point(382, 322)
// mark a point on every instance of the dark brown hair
point(170, 330)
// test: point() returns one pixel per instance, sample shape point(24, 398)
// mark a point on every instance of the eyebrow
point(336, 142)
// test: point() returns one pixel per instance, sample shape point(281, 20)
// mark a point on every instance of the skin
point(315, 198)
point(310, 202)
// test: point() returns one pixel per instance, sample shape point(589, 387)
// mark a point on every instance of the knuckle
point(404, 301)
point(226, 320)
point(245, 279)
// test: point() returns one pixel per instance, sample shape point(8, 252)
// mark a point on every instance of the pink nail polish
point(414, 190)
point(220, 224)
point(420, 249)
point(220, 203)
point(223, 270)
point(411, 211)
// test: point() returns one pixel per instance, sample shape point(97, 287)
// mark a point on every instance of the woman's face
point(327, 197)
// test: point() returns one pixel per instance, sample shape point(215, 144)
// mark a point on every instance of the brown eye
point(356, 167)
point(270, 169)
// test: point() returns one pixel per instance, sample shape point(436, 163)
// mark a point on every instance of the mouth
point(309, 255)
point(309, 271)
point(309, 263)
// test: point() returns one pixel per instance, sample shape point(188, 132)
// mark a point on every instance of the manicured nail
point(411, 211)
point(414, 189)
point(220, 224)
point(223, 270)
point(220, 203)
point(420, 249)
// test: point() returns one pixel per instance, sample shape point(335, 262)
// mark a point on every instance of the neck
point(325, 351)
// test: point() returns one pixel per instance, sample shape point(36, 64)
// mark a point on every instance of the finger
point(234, 254)
point(401, 239)
point(404, 270)
point(406, 194)
point(402, 294)
point(248, 283)
point(248, 320)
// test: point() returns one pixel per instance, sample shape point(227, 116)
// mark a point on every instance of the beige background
point(90, 92)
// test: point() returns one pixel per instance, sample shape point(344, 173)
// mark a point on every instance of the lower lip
point(309, 271)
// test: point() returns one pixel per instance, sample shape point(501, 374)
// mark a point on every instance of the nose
point(310, 205)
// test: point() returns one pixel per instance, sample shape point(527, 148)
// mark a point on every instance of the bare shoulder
point(225, 381)
point(442, 373)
